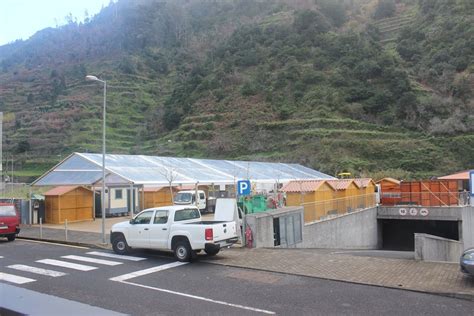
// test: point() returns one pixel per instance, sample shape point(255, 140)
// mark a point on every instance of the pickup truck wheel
point(182, 251)
point(120, 246)
point(212, 252)
point(11, 237)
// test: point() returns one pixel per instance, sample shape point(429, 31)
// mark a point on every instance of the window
point(183, 215)
point(202, 196)
point(161, 217)
point(143, 218)
point(7, 210)
point(118, 194)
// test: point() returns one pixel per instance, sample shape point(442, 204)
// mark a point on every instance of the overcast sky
point(20, 19)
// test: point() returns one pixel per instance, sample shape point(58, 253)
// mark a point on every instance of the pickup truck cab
point(9, 221)
point(178, 228)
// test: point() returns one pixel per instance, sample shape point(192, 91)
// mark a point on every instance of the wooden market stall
point(346, 195)
point(71, 203)
point(389, 191)
point(158, 196)
point(367, 192)
point(315, 195)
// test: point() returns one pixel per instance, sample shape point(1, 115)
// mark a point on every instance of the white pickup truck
point(178, 228)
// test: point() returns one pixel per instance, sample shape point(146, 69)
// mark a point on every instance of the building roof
point(363, 182)
point(86, 169)
point(341, 184)
point(395, 181)
point(60, 190)
point(302, 186)
point(463, 175)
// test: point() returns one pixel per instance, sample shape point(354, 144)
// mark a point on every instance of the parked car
point(9, 221)
point(467, 262)
point(178, 228)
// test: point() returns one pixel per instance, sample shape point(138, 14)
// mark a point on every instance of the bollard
point(65, 228)
point(41, 228)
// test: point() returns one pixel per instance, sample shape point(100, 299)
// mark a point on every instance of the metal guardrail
point(325, 209)
point(426, 198)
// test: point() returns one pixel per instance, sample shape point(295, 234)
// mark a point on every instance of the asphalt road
point(158, 285)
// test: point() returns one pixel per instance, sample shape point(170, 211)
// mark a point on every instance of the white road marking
point(1, 257)
point(92, 260)
point(53, 243)
point(111, 255)
point(14, 278)
point(65, 264)
point(147, 271)
point(201, 298)
point(46, 272)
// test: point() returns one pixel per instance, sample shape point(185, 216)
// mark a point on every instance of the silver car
point(467, 262)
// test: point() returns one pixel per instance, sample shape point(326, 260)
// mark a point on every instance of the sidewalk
point(430, 277)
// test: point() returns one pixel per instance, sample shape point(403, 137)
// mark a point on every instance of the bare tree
point(170, 173)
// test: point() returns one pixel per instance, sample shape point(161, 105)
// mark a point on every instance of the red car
point(9, 221)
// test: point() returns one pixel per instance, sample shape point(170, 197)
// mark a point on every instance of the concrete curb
point(65, 242)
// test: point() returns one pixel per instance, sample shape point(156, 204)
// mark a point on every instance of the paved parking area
point(366, 267)
point(431, 277)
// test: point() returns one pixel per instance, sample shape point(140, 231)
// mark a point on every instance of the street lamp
point(94, 78)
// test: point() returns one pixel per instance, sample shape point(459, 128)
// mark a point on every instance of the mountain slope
point(314, 82)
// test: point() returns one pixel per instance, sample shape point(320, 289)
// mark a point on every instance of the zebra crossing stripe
point(1, 257)
point(41, 271)
point(135, 274)
point(92, 260)
point(112, 255)
point(65, 264)
point(14, 278)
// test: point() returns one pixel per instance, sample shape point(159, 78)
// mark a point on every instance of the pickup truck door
point(159, 230)
point(138, 233)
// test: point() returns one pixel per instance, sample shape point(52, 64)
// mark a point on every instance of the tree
point(170, 174)
point(385, 9)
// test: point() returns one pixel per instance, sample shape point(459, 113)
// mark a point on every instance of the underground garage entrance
point(400, 234)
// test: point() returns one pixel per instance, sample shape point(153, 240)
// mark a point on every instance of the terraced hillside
point(321, 83)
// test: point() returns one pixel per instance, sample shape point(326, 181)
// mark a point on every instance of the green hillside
point(372, 87)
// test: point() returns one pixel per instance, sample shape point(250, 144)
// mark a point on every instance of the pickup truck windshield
point(7, 210)
point(183, 197)
point(183, 215)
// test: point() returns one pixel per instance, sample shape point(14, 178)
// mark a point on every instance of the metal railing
point(325, 209)
point(426, 198)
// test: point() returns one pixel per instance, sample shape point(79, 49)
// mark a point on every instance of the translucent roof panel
point(69, 178)
point(138, 169)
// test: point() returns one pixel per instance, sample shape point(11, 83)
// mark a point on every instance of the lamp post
point(94, 78)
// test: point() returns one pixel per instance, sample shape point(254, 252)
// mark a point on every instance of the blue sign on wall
point(471, 182)
point(243, 187)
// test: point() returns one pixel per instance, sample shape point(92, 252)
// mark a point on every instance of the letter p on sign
point(243, 187)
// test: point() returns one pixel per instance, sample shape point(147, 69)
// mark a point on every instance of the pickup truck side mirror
point(132, 221)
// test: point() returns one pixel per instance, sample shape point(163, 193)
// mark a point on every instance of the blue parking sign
point(243, 187)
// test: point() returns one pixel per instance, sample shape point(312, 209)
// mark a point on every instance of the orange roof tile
point(362, 182)
point(153, 189)
point(341, 184)
point(464, 175)
point(302, 186)
point(60, 190)
point(389, 180)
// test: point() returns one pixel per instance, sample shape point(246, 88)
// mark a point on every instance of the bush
point(385, 9)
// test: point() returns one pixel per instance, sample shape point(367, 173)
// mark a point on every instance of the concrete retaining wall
point(434, 248)
point(468, 227)
point(262, 228)
point(358, 230)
